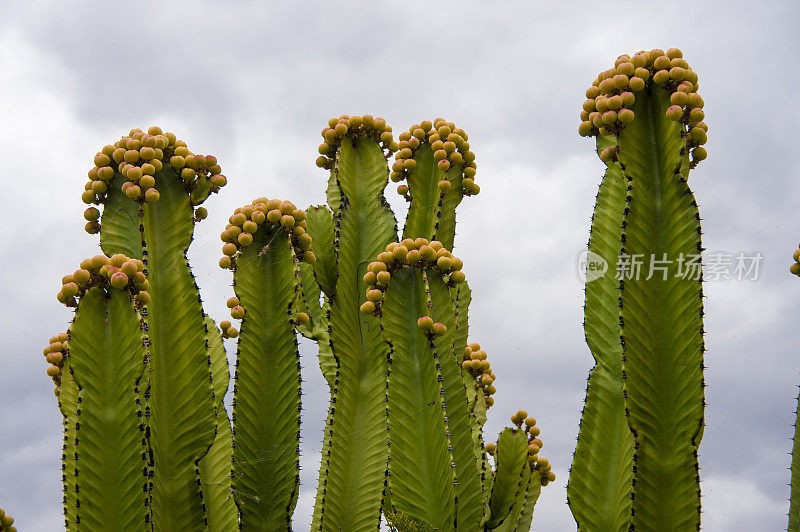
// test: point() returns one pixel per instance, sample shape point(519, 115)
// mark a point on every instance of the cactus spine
point(648, 119)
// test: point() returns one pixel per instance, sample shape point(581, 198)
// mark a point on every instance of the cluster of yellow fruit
point(228, 331)
point(353, 127)
point(6, 522)
point(607, 109)
point(795, 268)
point(55, 353)
point(237, 313)
point(117, 271)
point(269, 213)
point(419, 253)
point(475, 364)
point(536, 463)
point(138, 156)
point(450, 147)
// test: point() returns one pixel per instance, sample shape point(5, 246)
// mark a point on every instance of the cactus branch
point(602, 467)
point(107, 359)
point(662, 318)
point(215, 467)
point(421, 477)
point(435, 160)
point(266, 412)
point(352, 477)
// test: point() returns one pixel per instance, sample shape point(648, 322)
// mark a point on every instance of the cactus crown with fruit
point(607, 110)
point(138, 156)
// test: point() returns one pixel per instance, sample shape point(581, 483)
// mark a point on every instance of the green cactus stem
point(519, 475)
point(435, 160)
point(149, 184)
point(794, 484)
point(215, 467)
point(66, 391)
point(319, 285)
point(649, 102)
point(106, 361)
point(352, 472)
point(418, 322)
point(602, 468)
point(265, 242)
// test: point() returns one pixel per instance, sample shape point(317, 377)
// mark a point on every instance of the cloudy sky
point(254, 83)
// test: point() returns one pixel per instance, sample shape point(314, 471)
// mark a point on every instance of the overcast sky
point(255, 82)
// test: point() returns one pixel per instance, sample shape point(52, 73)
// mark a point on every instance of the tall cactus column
point(98, 392)
point(433, 471)
point(599, 489)
point(649, 113)
point(264, 244)
point(149, 185)
point(352, 472)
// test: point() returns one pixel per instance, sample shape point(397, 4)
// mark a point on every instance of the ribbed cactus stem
point(215, 466)
point(413, 300)
point(352, 473)
point(319, 285)
point(519, 475)
point(650, 103)
point(265, 241)
point(182, 421)
point(68, 399)
point(794, 484)
point(107, 358)
point(98, 394)
point(149, 184)
point(422, 481)
point(602, 468)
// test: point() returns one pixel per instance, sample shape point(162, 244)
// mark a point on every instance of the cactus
point(148, 185)
point(635, 464)
point(106, 361)
point(403, 362)
point(215, 467)
point(142, 366)
point(390, 315)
